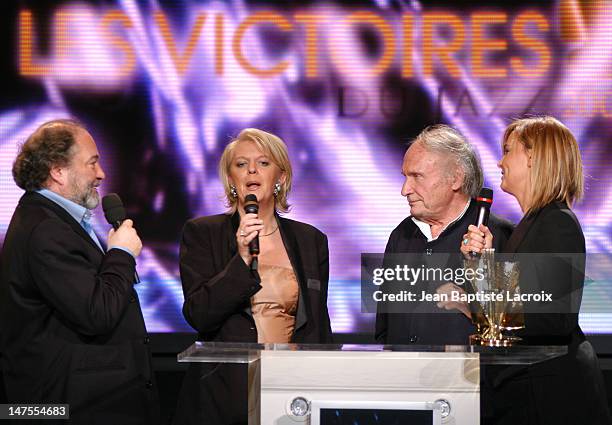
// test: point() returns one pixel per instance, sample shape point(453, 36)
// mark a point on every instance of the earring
point(233, 192)
point(277, 189)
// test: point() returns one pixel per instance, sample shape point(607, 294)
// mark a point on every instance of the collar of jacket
point(36, 199)
point(293, 252)
point(521, 230)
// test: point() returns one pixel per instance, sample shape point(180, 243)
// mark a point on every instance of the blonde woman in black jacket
point(285, 301)
point(542, 169)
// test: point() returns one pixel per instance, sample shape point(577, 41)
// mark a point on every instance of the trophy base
point(505, 341)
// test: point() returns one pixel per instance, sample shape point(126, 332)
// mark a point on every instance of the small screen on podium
point(375, 417)
point(363, 412)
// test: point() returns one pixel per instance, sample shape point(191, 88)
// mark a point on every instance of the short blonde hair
point(556, 166)
point(274, 148)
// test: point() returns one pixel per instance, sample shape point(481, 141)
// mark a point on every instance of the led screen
point(163, 86)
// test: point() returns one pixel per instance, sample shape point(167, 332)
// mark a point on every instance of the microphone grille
point(250, 198)
point(113, 208)
point(485, 195)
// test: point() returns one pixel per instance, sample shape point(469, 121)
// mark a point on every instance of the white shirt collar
point(426, 228)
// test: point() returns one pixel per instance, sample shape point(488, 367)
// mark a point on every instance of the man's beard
point(84, 194)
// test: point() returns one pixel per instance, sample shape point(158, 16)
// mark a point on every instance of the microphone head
point(250, 198)
point(251, 205)
point(485, 196)
point(113, 208)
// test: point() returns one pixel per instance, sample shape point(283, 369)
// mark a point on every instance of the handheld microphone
point(114, 212)
point(251, 206)
point(483, 202)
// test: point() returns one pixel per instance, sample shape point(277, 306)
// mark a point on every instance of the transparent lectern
point(318, 384)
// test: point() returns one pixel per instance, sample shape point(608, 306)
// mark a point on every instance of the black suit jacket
point(567, 390)
point(218, 286)
point(71, 326)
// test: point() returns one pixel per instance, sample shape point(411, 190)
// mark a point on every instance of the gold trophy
point(494, 312)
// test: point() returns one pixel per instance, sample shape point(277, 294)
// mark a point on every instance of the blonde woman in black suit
point(285, 301)
point(542, 168)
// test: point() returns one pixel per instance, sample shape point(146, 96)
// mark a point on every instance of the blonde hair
point(274, 148)
point(556, 166)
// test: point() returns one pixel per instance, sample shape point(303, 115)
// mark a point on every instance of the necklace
point(268, 234)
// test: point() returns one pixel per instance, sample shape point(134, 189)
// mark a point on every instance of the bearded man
point(71, 327)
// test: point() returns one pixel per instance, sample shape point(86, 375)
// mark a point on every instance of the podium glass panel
point(287, 383)
point(230, 352)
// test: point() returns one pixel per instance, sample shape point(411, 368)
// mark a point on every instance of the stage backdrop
point(163, 86)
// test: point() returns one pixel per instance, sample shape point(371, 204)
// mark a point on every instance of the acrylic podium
point(317, 384)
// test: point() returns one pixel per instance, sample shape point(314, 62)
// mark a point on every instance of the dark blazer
point(71, 326)
point(424, 323)
point(567, 390)
point(218, 285)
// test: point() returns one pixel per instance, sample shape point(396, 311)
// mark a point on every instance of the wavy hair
point(51, 144)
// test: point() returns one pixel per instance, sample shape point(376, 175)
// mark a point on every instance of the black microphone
point(483, 203)
point(114, 211)
point(251, 206)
